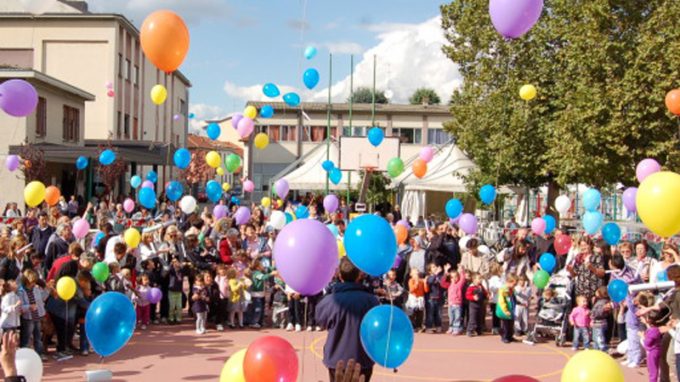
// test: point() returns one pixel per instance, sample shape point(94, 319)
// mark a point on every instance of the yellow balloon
point(261, 141)
point(132, 237)
point(233, 368)
point(159, 94)
point(250, 112)
point(658, 204)
point(66, 288)
point(225, 187)
point(213, 159)
point(592, 366)
point(34, 193)
point(266, 202)
point(341, 249)
point(527, 92)
point(220, 171)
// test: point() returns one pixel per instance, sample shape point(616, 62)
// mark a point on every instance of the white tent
point(311, 176)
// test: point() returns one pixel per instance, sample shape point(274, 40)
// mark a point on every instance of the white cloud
point(203, 112)
point(191, 11)
point(387, 27)
point(343, 47)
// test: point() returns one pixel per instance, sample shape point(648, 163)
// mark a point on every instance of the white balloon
point(188, 204)
point(29, 365)
point(277, 220)
point(37, 7)
point(562, 204)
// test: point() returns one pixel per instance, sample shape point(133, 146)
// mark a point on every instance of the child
point(454, 282)
point(580, 319)
point(213, 291)
point(495, 284)
point(415, 305)
point(259, 278)
point(505, 309)
point(242, 262)
point(433, 323)
point(33, 310)
point(175, 284)
point(200, 299)
point(225, 295)
point(652, 339)
point(280, 304)
point(602, 310)
point(236, 288)
point(476, 295)
point(392, 292)
point(154, 275)
point(142, 305)
point(115, 282)
point(294, 309)
point(11, 307)
point(522, 301)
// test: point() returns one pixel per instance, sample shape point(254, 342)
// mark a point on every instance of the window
point(437, 136)
point(120, 65)
point(183, 109)
point(71, 126)
point(135, 128)
point(126, 126)
point(409, 135)
point(119, 123)
point(288, 133)
point(318, 133)
point(41, 118)
point(127, 69)
point(274, 133)
point(135, 75)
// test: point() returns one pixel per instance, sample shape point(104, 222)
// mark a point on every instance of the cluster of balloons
point(267, 359)
point(18, 98)
point(158, 94)
point(165, 40)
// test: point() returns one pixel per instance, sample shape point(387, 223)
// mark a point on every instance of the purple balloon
point(147, 184)
point(220, 211)
point(514, 18)
point(646, 168)
point(468, 223)
point(242, 215)
point(12, 162)
point(18, 98)
point(404, 223)
point(235, 119)
point(629, 199)
point(306, 256)
point(281, 187)
point(154, 295)
point(330, 203)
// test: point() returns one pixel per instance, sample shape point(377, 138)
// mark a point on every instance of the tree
point(33, 163)
point(377, 188)
point(425, 96)
point(111, 174)
point(602, 70)
point(198, 170)
point(365, 95)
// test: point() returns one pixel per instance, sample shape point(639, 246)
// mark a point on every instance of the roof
point(9, 72)
point(140, 152)
point(199, 142)
point(360, 107)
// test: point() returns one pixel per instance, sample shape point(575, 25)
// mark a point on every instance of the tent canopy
point(310, 174)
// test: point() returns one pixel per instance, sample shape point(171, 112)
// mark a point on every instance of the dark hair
point(618, 262)
point(659, 317)
point(107, 227)
point(605, 248)
point(348, 271)
point(673, 273)
point(43, 214)
point(643, 243)
point(119, 248)
point(472, 243)
point(84, 276)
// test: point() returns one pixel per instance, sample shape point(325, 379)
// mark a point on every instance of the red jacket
point(225, 252)
point(56, 266)
point(473, 290)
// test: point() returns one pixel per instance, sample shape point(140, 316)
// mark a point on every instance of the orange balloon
point(165, 40)
point(28, 164)
point(419, 168)
point(52, 195)
point(673, 101)
point(402, 233)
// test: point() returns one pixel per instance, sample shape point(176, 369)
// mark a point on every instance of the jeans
point(84, 343)
point(201, 318)
point(456, 318)
point(507, 330)
point(433, 314)
point(257, 310)
point(175, 311)
point(600, 338)
point(581, 333)
point(294, 312)
point(312, 302)
point(634, 347)
point(64, 331)
point(28, 328)
point(475, 318)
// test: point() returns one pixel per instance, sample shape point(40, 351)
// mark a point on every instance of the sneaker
point(494, 332)
point(317, 329)
point(156, 322)
point(232, 326)
point(625, 362)
point(506, 341)
point(574, 349)
point(255, 326)
point(164, 321)
point(62, 356)
point(529, 342)
point(309, 328)
point(450, 331)
point(143, 327)
point(632, 365)
point(198, 331)
point(85, 353)
point(220, 328)
point(298, 328)
point(289, 328)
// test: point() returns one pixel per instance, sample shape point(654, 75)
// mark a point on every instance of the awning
point(311, 176)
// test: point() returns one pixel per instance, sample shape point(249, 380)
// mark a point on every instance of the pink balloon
point(538, 226)
point(80, 228)
point(109, 85)
point(245, 127)
point(111, 93)
point(248, 186)
point(427, 153)
point(129, 205)
point(646, 168)
point(147, 184)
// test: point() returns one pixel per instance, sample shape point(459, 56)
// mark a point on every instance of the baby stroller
point(553, 315)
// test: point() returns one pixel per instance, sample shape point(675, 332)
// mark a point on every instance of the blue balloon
point(592, 221)
point(387, 336)
point(182, 158)
point(547, 262)
point(289, 217)
point(82, 162)
point(328, 165)
point(371, 244)
point(135, 181)
point(271, 90)
point(174, 190)
point(147, 198)
point(376, 136)
point(335, 175)
point(611, 233)
point(267, 111)
point(235, 200)
point(107, 157)
point(291, 99)
point(100, 235)
point(591, 199)
point(311, 78)
point(454, 208)
point(110, 322)
point(213, 190)
point(310, 52)
point(334, 229)
point(662, 276)
point(487, 194)
point(618, 290)
point(192, 115)
point(302, 212)
point(213, 130)
point(151, 176)
point(550, 224)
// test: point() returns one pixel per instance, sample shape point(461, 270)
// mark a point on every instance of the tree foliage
point(365, 95)
point(425, 94)
point(198, 170)
point(602, 70)
point(111, 174)
point(33, 163)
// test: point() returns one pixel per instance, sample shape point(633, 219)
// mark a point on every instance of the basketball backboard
point(357, 153)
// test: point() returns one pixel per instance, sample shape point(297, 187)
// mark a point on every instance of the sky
point(239, 45)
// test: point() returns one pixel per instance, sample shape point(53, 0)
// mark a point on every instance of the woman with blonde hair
point(12, 266)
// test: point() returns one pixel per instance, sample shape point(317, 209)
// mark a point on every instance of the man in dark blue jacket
point(341, 313)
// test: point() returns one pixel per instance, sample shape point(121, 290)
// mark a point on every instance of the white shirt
point(109, 256)
point(10, 311)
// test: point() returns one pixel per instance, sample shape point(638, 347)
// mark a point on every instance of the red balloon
point(516, 378)
point(562, 244)
point(270, 359)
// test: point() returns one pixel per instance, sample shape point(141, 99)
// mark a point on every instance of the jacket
point(476, 291)
point(176, 280)
point(417, 288)
point(435, 290)
point(580, 317)
point(599, 314)
point(225, 252)
point(341, 313)
point(505, 301)
point(40, 295)
point(455, 290)
point(39, 238)
point(259, 278)
point(9, 270)
point(56, 249)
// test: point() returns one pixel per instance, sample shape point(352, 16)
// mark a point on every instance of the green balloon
point(233, 162)
point(541, 279)
point(395, 167)
point(100, 272)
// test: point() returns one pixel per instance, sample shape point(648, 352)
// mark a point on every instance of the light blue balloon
point(591, 199)
point(147, 198)
point(310, 78)
point(289, 217)
point(302, 212)
point(334, 229)
point(547, 262)
point(213, 130)
point(182, 158)
point(267, 111)
point(135, 181)
point(100, 235)
point(235, 200)
point(271, 90)
point(611, 233)
point(107, 157)
point(387, 336)
point(550, 224)
point(110, 322)
point(192, 115)
point(310, 52)
point(487, 194)
point(592, 221)
point(376, 136)
point(371, 244)
point(454, 208)
point(291, 99)
point(151, 176)
point(82, 162)
point(335, 175)
point(662, 276)
point(213, 190)
point(174, 191)
point(618, 290)
point(328, 165)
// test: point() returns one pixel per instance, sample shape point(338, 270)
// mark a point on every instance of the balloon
point(36, 7)
point(335, 175)
point(235, 119)
point(245, 127)
point(226, 187)
point(250, 112)
point(618, 290)
point(306, 256)
point(191, 115)
point(213, 190)
point(592, 221)
point(371, 244)
point(110, 322)
point(538, 226)
point(28, 364)
point(220, 211)
point(611, 233)
point(174, 190)
point(66, 288)
point(341, 249)
point(327, 165)
point(302, 212)
point(151, 176)
point(387, 335)
point(182, 158)
point(401, 233)
point(34, 193)
point(132, 237)
point(147, 198)
point(550, 224)
point(277, 220)
point(419, 168)
point(291, 99)
point(107, 157)
point(265, 202)
point(135, 181)
point(154, 296)
point(187, 204)
point(100, 271)
point(270, 359)
point(330, 203)
point(547, 262)
point(541, 279)
point(395, 167)
point(645, 168)
point(334, 229)
point(527, 92)
point(281, 188)
point(212, 158)
point(591, 199)
point(233, 162)
point(657, 203)
point(248, 186)
point(562, 204)
point(562, 244)
point(165, 40)
point(159, 94)
point(111, 93)
point(629, 196)
point(310, 52)
point(592, 366)
point(514, 18)
point(289, 217)
point(176, 117)
point(235, 200)
point(310, 78)
point(242, 215)
point(662, 276)
point(468, 223)
point(271, 90)
point(52, 195)
point(219, 171)
point(261, 141)
point(426, 154)
point(233, 368)
point(80, 228)
point(515, 378)
point(267, 111)
point(129, 205)
point(454, 208)
point(487, 194)
point(213, 131)
point(12, 162)
point(673, 101)
point(147, 184)
point(376, 136)
point(82, 162)
point(18, 98)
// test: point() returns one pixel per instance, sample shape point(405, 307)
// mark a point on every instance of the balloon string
point(304, 338)
point(389, 330)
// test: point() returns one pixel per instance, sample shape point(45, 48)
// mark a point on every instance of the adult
point(58, 247)
point(107, 230)
point(669, 256)
point(255, 245)
point(444, 248)
point(517, 261)
point(16, 261)
point(40, 234)
point(588, 269)
point(146, 247)
point(228, 246)
point(642, 263)
point(397, 213)
point(625, 249)
point(70, 265)
point(72, 207)
point(472, 260)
